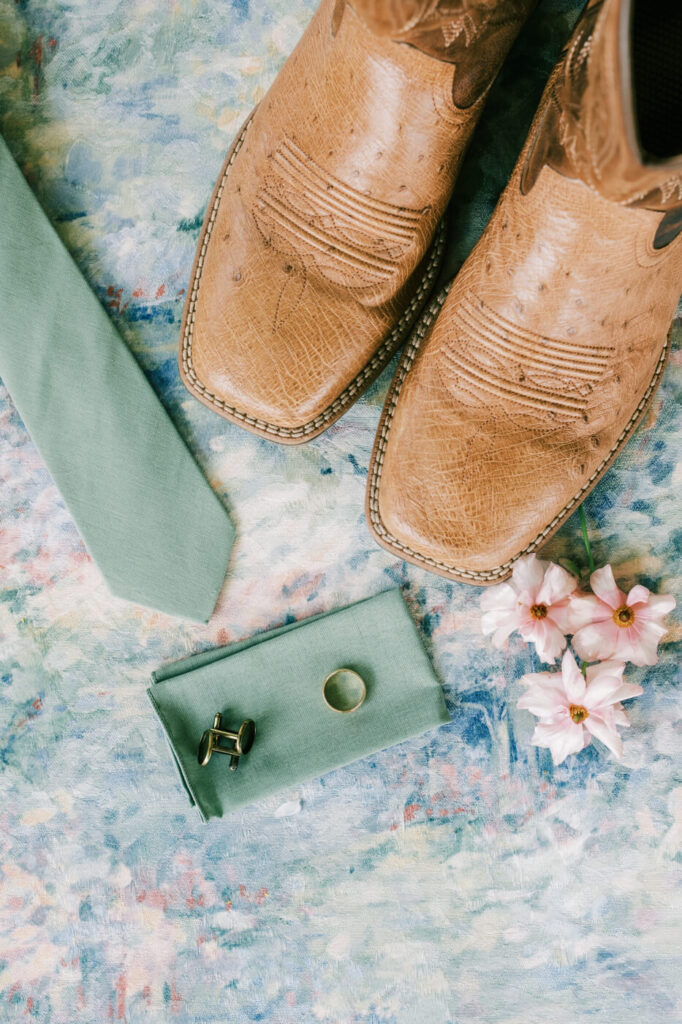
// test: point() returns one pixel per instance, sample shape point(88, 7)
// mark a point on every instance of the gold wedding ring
point(344, 690)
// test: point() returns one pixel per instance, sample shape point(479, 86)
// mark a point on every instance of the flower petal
point(502, 595)
point(609, 668)
point(503, 622)
point(500, 636)
point(556, 586)
point(584, 609)
point(562, 738)
point(601, 693)
point(527, 576)
point(546, 701)
point(639, 645)
point(620, 716)
point(627, 691)
point(604, 586)
point(540, 678)
point(548, 639)
point(606, 732)
point(638, 595)
point(560, 614)
point(596, 641)
point(573, 679)
point(657, 606)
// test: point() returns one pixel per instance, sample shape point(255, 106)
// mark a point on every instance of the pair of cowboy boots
point(324, 237)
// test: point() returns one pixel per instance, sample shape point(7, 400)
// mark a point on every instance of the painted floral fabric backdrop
point(466, 880)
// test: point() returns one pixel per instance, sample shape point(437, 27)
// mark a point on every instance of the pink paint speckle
point(121, 997)
point(410, 812)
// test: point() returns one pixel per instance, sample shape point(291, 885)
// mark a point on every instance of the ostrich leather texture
point(513, 400)
point(324, 235)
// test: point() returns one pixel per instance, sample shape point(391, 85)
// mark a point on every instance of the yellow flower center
point(578, 713)
point(624, 617)
point(538, 611)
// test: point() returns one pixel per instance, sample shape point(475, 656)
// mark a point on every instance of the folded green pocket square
point(276, 679)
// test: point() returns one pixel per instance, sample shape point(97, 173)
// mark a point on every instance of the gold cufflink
point(344, 690)
point(210, 742)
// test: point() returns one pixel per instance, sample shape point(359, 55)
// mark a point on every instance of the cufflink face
point(206, 746)
point(344, 690)
point(242, 741)
point(246, 736)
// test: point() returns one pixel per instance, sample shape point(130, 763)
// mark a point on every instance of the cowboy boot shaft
point(605, 114)
point(476, 35)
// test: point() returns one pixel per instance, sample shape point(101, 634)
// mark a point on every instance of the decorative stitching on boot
point(546, 377)
point(349, 237)
point(377, 362)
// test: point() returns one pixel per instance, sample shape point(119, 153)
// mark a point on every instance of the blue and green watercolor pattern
point(462, 881)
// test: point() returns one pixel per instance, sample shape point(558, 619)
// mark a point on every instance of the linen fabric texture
point(276, 679)
point(149, 518)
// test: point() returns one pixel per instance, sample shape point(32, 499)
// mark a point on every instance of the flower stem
point(586, 539)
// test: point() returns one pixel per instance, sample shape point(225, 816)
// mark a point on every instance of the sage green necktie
point(149, 518)
point(276, 679)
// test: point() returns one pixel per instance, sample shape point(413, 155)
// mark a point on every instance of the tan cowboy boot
point(550, 345)
point(324, 235)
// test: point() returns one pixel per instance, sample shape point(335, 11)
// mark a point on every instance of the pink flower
point(627, 628)
point(573, 708)
point(535, 602)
